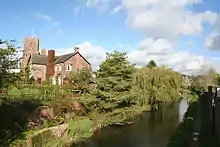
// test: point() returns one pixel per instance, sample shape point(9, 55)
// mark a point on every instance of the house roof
point(39, 59)
point(63, 58)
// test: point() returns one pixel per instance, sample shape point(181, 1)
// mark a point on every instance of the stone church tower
point(31, 46)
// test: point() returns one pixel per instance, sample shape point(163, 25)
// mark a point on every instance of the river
point(151, 129)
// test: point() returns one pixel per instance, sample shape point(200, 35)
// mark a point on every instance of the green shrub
point(13, 92)
point(25, 92)
point(35, 94)
point(46, 139)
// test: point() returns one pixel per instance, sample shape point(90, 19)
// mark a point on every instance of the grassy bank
point(61, 135)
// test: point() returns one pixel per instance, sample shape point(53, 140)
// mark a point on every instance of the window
point(69, 67)
point(60, 67)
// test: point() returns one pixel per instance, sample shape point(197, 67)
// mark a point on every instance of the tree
point(152, 64)
point(80, 79)
point(8, 59)
point(205, 78)
point(155, 85)
point(114, 84)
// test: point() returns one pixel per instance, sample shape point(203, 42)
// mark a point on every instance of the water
point(182, 109)
point(149, 130)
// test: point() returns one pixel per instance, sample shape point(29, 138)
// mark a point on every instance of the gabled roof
point(39, 59)
point(64, 58)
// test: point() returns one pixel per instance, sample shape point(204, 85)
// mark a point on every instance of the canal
point(151, 129)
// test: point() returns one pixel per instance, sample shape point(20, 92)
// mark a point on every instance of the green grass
point(80, 130)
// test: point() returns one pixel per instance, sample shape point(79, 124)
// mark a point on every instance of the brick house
point(47, 66)
point(69, 62)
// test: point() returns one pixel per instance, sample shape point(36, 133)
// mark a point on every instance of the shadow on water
point(151, 129)
point(14, 120)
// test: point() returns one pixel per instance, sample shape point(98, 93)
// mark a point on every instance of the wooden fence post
point(210, 99)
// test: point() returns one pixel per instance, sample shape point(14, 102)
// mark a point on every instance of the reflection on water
point(183, 106)
point(149, 130)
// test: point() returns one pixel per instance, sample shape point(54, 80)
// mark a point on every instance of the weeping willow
point(156, 85)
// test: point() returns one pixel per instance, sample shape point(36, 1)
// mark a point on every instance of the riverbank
point(183, 134)
point(151, 129)
point(75, 130)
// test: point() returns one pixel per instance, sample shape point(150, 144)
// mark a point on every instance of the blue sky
point(65, 28)
point(62, 24)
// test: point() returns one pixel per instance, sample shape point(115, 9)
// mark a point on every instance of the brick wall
point(77, 62)
point(50, 64)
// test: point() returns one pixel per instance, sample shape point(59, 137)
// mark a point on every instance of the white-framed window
point(60, 67)
point(56, 68)
point(69, 67)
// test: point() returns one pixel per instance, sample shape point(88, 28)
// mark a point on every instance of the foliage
point(154, 85)
point(15, 119)
point(152, 64)
point(80, 79)
point(80, 129)
point(46, 139)
point(31, 80)
point(27, 73)
point(13, 93)
point(114, 83)
point(203, 80)
point(7, 60)
point(192, 96)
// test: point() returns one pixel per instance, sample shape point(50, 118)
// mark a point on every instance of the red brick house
point(50, 67)
point(69, 62)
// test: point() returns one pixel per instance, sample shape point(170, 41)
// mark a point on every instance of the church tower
point(31, 46)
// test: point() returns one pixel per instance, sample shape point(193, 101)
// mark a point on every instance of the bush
point(13, 92)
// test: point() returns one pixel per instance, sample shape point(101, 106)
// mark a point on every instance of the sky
point(181, 34)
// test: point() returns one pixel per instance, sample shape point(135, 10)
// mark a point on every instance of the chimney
point(50, 64)
point(76, 49)
point(43, 52)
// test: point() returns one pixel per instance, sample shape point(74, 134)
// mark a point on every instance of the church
point(45, 65)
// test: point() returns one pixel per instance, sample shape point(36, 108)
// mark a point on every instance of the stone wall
point(31, 46)
point(38, 71)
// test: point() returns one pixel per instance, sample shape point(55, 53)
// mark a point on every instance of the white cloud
point(116, 9)
point(159, 18)
point(181, 61)
point(212, 41)
point(94, 54)
point(47, 18)
point(162, 22)
point(163, 53)
point(43, 16)
point(3, 46)
point(100, 5)
point(94, 3)
point(59, 31)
